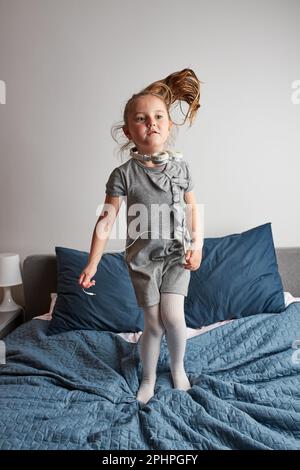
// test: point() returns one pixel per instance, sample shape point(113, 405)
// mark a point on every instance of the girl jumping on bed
point(156, 181)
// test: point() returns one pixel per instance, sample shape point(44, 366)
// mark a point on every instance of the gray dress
point(155, 203)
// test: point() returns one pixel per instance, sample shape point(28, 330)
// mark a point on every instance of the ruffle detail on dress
point(170, 180)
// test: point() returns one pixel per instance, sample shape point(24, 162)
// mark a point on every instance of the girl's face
point(148, 124)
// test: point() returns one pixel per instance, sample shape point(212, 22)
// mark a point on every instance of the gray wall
point(70, 65)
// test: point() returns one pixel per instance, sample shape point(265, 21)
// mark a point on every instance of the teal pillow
point(238, 276)
point(113, 308)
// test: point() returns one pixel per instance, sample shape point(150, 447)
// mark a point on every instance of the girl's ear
point(126, 132)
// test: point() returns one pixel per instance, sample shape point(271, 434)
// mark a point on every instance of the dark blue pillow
point(238, 276)
point(113, 308)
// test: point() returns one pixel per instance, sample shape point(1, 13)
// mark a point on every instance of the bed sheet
point(77, 390)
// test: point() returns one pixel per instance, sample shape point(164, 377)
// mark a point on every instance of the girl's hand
point(193, 259)
point(86, 276)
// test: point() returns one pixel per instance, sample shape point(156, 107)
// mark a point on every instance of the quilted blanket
point(77, 390)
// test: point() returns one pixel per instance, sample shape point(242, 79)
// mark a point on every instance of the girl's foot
point(146, 391)
point(180, 381)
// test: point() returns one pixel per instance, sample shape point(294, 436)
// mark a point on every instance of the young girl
point(159, 265)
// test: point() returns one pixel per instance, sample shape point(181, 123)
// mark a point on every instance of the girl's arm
point(193, 220)
point(101, 234)
point(103, 228)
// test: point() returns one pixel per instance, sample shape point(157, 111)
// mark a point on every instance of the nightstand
point(10, 320)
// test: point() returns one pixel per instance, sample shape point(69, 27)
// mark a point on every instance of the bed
point(77, 390)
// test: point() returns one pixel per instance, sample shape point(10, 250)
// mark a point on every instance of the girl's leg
point(172, 315)
point(150, 348)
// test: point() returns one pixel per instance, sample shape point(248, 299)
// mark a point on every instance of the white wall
point(70, 65)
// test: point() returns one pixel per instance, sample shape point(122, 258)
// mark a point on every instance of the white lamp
point(10, 275)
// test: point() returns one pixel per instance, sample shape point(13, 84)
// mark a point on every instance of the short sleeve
point(189, 178)
point(115, 185)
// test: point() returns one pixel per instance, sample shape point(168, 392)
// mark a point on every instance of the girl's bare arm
point(100, 237)
point(193, 220)
point(103, 228)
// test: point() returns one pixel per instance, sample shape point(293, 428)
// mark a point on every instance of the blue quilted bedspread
point(77, 390)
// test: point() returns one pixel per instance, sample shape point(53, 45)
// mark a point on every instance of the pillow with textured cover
point(113, 308)
point(238, 277)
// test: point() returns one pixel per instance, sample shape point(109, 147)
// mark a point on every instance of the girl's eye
point(140, 118)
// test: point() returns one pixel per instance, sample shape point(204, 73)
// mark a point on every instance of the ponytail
point(178, 86)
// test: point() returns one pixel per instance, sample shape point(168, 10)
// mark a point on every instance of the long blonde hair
point(176, 87)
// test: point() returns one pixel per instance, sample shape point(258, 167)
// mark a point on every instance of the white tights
point(165, 317)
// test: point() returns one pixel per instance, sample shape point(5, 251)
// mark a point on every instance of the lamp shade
point(10, 272)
